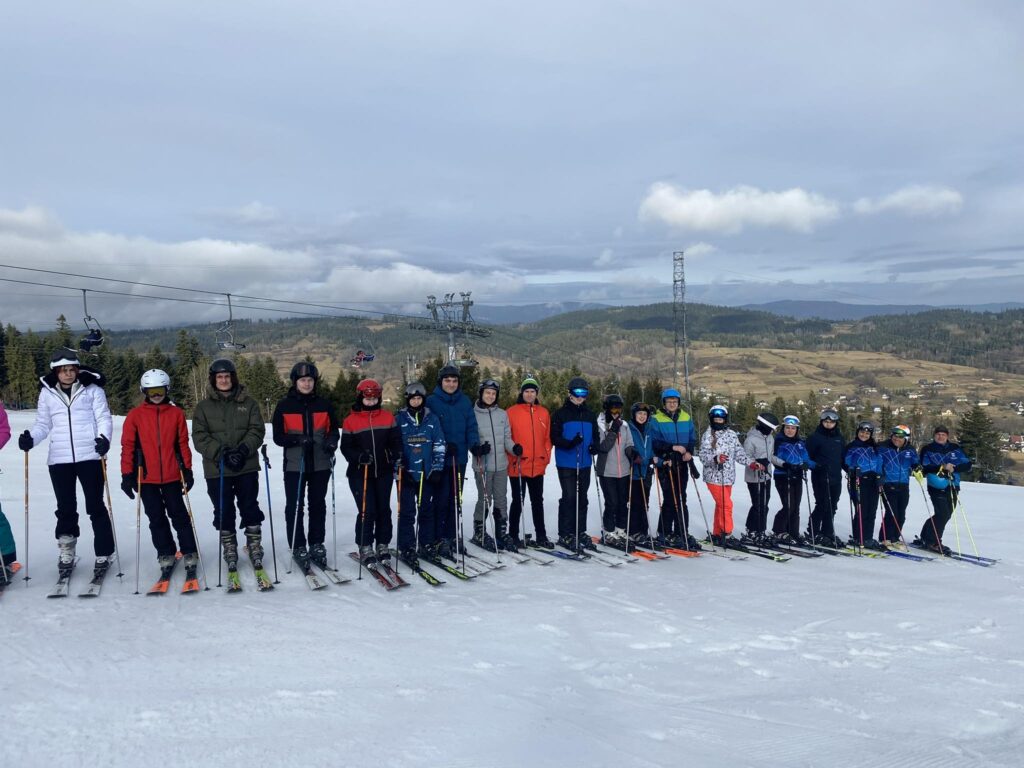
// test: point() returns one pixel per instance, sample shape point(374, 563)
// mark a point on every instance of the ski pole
point(963, 511)
point(110, 514)
point(138, 515)
point(26, 518)
point(220, 518)
point(334, 519)
point(952, 510)
point(398, 511)
point(192, 522)
point(362, 516)
point(298, 512)
point(675, 505)
point(522, 500)
point(270, 509)
point(700, 502)
point(860, 509)
point(461, 540)
point(661, 503)
point(931, 513)
point(810, 512)
point(597, 487)
point(629, 506)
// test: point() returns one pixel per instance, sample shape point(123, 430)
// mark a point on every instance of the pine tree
point(189, 374)
point(980, 442)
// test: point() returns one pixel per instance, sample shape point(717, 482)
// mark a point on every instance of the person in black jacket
point(305, 425)
point(825, 450)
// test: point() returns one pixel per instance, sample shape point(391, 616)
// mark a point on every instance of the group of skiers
point(430, 444)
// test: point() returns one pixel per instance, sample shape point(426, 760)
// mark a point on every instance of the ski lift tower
point(452, 317)
point(679, 322)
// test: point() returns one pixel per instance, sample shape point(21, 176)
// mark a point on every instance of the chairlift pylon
point(226, 333)
point(93, 331)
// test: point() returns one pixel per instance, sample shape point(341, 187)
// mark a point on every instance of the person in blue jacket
point(455, 411)
point(943, 462)
point(791, 462)
point(423, 453)
point(673, 438)
point(575, 437)
point(898, 460)
point(864, 478)
point(642, 455)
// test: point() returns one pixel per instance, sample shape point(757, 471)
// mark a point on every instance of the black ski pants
point(943, 503)
point(243, 490)
point(163, 501)
point(572, 505)
point(416, 509)
point(895, 498)
point(673, 480)
point(616, 500)
point(791, 490)
point(865, 506)
point(638, 506)
point(447, 503)
point(373, 521)
point(760, 497)
point(827, 487)
point(88, 474)
point(534, 486)
point(314, 493)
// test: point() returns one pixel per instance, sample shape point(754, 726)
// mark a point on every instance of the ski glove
point(592, 449)
point(576, 440)
point(631, 454)
point(517, 450)
point(434, 478)
point(330, 445)
point(102, 445)
point(25, 441)
point(234, 458)
point(190, 479)
point(480, 450)
point(755, 466)
point(366, 459)
point(616, 425)
point(721, 459)
point(128, 485)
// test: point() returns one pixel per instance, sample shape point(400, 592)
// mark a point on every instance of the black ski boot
point(301, 558)
point(481, 538)
point(409, 557)
point(318, 555)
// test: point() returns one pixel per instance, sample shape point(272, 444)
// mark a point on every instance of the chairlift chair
point(226, 333)
point(94, 332)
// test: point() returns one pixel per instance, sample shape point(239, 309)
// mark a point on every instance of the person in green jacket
point(227, 431)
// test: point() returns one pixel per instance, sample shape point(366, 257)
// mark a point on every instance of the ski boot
point(66, 554)
point(567, 541)
point(383, 553)
point(229, 549)
point(585, 542)
point(408, 556)
point(366, 554)
point(609, 538)
point(543, 542)
point(874, 544)
point(301, 558)
point(165, 561)
point(191, 563)
point(509, 543)
point(253, 542)
point(481, 538)
point(318, 555)
point(446, 548)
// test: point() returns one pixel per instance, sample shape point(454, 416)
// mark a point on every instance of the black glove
point(366, 459)
point(788, 467)
point(576, 440)
point(234, 459)
point(804, 467)
point(434, 478)
point(450, 449)
point(517, 450)
point(102, 445)
point(592, 449)
point(128, 485)
point(25, 441)
point(616, 425)
point(631, 453)
point(330, 445)
point(480, 450)
point(243, 451)
point(693, 471)
point(190, 479)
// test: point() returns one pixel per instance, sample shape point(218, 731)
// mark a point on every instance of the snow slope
point(708, 662)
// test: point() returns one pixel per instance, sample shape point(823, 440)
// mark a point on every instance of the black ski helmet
point(223, 365)
point(637, 407)
point(768, 421)
point(614, 400)
point(449, 370)
point(302, 370)
point(488, 384)
point(578, 384)
point(413, 389)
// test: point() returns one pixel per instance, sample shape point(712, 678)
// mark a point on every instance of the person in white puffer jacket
point(73, 413)
point(720, 451)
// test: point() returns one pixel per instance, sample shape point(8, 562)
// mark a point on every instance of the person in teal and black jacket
point(574, 435)
point(898, 460)
point(674, 438)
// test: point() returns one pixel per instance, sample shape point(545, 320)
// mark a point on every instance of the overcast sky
point(357, 152)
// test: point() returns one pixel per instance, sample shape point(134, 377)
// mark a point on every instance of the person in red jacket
point(530, 423)
point(371, 442)
point(155, 439)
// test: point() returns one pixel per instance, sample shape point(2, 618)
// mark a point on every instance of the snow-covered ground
point(707, 662)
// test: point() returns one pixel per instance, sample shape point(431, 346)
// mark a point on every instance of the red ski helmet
point(369, 388)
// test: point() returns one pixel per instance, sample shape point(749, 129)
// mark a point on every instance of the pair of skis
point(382, 571)
point(63, 586)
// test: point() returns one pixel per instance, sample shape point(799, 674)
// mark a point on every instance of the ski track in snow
point(827, 662)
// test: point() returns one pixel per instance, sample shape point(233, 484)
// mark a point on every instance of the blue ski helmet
point(670, 392)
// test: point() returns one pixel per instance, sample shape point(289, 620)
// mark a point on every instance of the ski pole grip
point(263, 450)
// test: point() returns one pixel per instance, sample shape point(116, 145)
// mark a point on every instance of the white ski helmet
point(154, 377)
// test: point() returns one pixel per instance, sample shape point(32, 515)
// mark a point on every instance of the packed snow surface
point(707, 662)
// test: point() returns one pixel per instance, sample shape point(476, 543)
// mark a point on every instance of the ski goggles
point(155, 391)
point(901, 431)
point(579, 392)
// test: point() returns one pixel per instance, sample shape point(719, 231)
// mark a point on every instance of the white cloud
point(607, 257)
point(697, 250)
point(731, 211)
point(30, 221)
point(914, 200)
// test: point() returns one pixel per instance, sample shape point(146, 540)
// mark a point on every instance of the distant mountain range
point(838, 311)
point(512, 314)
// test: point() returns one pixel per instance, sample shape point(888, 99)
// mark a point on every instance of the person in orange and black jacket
point(154, 439)
point(305, 425)
point(531, 432)
point(371, 442)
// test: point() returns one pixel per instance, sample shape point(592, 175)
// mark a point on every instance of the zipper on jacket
point(159, 446)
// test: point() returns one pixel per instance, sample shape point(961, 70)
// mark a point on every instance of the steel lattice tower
point(679, 321)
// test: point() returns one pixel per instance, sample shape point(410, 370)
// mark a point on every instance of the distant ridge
point(838, 311)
